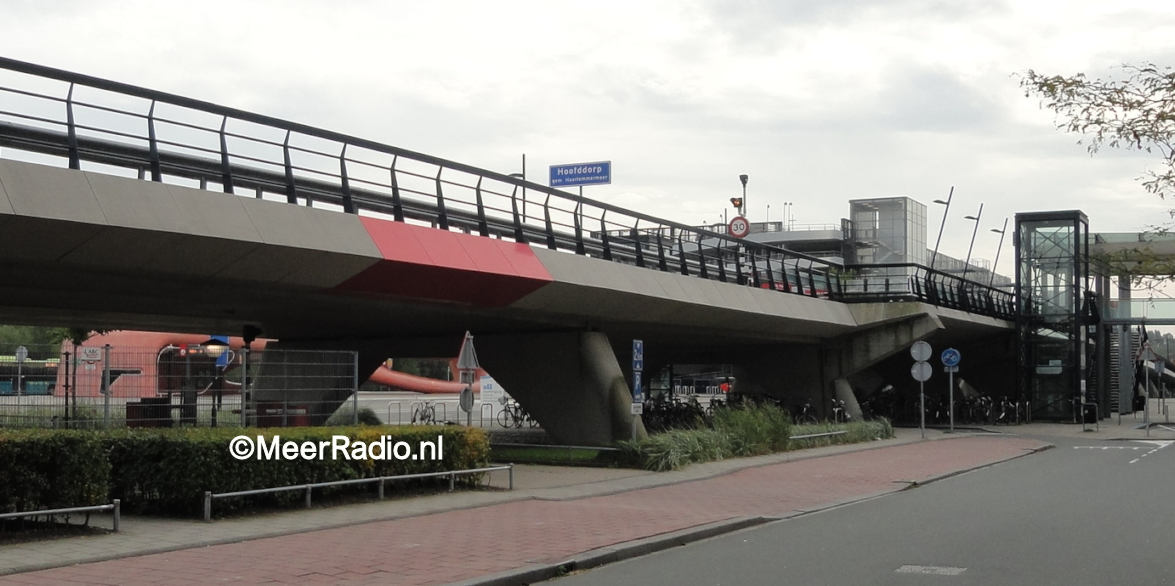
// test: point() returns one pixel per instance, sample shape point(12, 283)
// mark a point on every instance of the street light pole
point(743, 211)
point(967, 264)
point(997, 251)
point(946, 211)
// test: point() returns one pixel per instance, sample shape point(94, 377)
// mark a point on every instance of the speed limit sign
point(739, 227)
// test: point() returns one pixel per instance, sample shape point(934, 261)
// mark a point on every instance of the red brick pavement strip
point(465, 544)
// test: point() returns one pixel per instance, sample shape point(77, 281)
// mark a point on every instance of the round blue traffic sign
point(951, 357)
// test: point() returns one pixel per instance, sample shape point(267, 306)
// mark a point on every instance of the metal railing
point(308, 488)
point(154, 135)
point(890, 282)
point(115, 507)
point(157, 135)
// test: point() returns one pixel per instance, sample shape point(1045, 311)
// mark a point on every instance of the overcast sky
point(818, 101)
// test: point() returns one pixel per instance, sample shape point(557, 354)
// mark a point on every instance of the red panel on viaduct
point(438, 265)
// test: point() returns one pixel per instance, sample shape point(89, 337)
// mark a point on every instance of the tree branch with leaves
point(1136, 112)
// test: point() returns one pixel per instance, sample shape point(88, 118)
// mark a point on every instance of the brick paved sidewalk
point(470, 543)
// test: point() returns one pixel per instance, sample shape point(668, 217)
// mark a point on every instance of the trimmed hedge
point(52, 469)
point(168, 470)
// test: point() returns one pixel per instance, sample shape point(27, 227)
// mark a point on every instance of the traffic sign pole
point(922, 407)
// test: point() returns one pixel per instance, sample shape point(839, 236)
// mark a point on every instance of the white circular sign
point(739, 227)
point(22, 354)
point(921, 351)
point(921, 371)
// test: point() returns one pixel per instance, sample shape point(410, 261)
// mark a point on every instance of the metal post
point(106, 385)
point(208, 505)
point(355, 387)
point(117, 514)
point(244, 385)
point(951, 384)
point(967, 264)
point(381, 489)
point(307, 496)
point(511, 475)
point(922, 407)
point(947, 203)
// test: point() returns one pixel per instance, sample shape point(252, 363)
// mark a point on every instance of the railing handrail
point(307, 487)
point(115, 506)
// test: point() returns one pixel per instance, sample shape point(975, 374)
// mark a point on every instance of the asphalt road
point(1085, 512)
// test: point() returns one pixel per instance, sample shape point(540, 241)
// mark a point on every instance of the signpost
point(22, 354)
point(738, 227)
point(921, 372)
point(950, 359)
point(638, 365)
point(597, 173)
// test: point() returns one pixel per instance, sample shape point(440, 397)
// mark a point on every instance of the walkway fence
point(88, 387)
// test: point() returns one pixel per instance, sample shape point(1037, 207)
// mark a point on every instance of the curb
point(657, 543)
point(615, 553)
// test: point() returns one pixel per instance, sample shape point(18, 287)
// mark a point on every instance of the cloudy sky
point(818, 101)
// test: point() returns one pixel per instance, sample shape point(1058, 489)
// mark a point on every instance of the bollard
point(117, 513)
point(307, 496)
point(381, 489)
point(452, 482)
point(208, 505)
point(511, 470)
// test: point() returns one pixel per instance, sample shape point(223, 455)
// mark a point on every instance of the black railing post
point(636, 242)
point(661, 264)
point(442, 213)
point(702, 272)
point(519, 235)
point(226, 170)
point(770, 276)
point(754, 268)
point(604, 236)
point(482, 226)
point(580, 249)
point(721, 264)
point(153, 146)
point(75, 159)
point(681, 256)
point(397, 203)
point(547, 219)
point(344, 182)
point(738, 266)
point(291, 191)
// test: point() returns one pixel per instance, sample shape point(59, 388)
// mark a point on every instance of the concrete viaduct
point(96, 250)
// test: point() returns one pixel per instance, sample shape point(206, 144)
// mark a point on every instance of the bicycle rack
point(399, 413)
point(482, 415)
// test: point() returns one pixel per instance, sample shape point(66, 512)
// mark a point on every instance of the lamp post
point(743, 211)
point(967, 264)
point(996, 263)
point(946, 203)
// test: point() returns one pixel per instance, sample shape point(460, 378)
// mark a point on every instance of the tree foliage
point(1135, 111)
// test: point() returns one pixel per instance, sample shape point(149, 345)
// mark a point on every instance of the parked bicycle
point(513, 415)
point(424, 413)
point(805, 415)
point(839, 413)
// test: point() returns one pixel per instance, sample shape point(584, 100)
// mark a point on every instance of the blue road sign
point(597, 173)
point(951, 357)
point(637, 392)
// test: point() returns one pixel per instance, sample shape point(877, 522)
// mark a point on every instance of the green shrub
point(754, 430)
point(168, 470)
point(677, 447)
point(52, 469)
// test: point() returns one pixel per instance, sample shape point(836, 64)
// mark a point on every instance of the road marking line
point(1160, 443)
point(930, 570)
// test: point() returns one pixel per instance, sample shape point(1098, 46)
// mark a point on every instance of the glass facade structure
point(889, 230)
point(1052, 276)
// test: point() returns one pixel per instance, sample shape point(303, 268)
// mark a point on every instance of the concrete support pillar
point(1125, 352)
point(844, 392)
point(570, 382)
